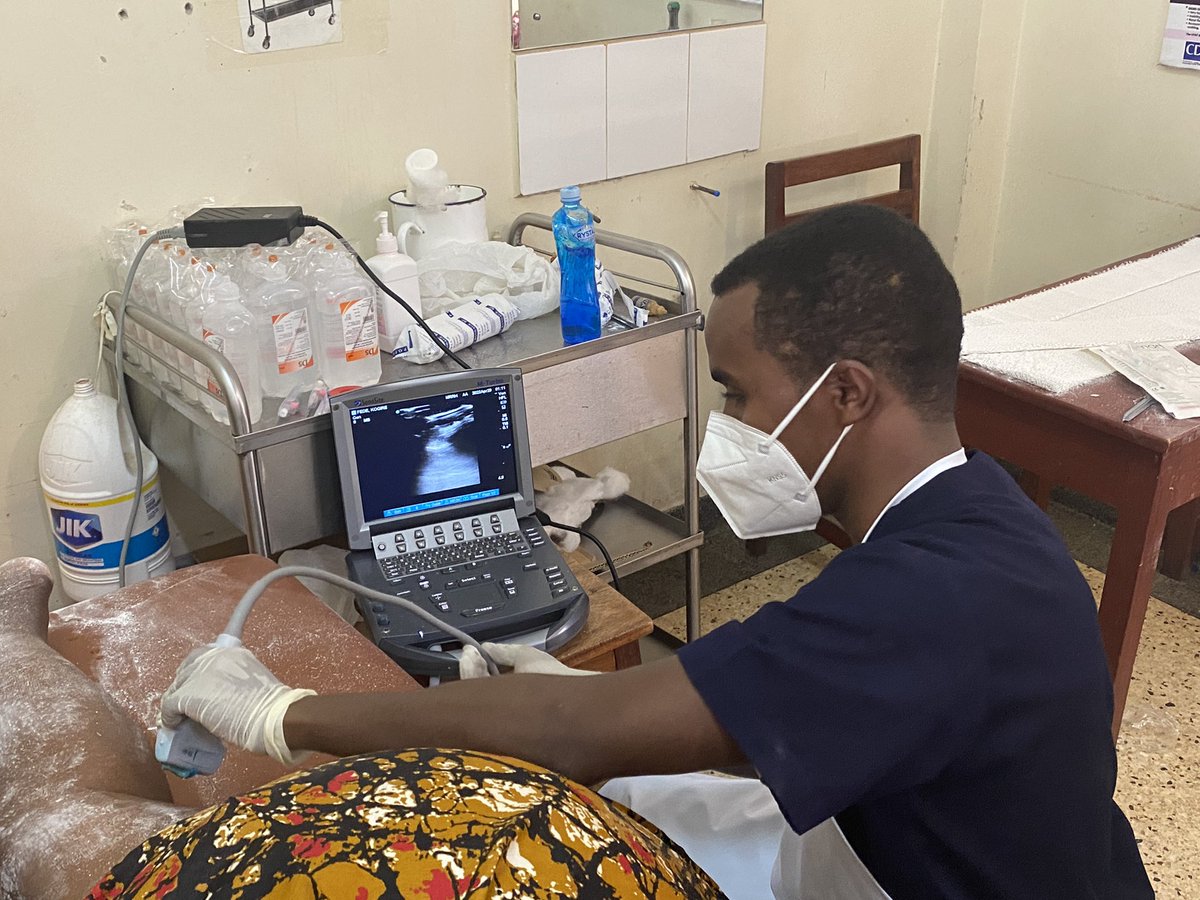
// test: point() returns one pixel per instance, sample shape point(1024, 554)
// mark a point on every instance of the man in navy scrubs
point(932, 713)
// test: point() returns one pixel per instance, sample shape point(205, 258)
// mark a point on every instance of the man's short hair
point(856, 282)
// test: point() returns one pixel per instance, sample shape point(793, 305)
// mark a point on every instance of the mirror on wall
point(553, 23)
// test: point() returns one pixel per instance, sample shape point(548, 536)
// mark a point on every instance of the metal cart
point(279, 482)
point(268, 13)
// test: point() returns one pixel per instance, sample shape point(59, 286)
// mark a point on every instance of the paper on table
point(1164, 373)
point(1077, 334)
point(1164, 284)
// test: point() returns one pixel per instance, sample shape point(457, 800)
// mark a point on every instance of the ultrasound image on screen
point(448, 460)
point(417, 455)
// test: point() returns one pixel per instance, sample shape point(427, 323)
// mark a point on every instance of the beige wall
point(1103, 155)
point(107, 117)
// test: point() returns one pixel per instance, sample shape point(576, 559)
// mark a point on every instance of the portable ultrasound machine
point(438, 491)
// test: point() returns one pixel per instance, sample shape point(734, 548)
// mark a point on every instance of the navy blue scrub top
point(942, 690)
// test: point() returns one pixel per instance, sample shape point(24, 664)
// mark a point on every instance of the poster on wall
point(1181, 40)
point(272, 25)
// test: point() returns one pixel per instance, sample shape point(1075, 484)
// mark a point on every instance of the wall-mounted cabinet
point(605, 111)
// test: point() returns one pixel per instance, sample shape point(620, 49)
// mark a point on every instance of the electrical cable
point(437, 339)
point(123, 395)
point(107, 326)
point(237, 621)
point(612, 569)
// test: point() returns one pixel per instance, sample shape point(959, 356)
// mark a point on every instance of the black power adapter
point(236, 226)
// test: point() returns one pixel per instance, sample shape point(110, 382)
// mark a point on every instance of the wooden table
point(1145, 469)
point(609, 640)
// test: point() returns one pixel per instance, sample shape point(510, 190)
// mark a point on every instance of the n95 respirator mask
point(755, 481)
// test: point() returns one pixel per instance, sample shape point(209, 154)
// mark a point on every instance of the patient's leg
point(78, 786)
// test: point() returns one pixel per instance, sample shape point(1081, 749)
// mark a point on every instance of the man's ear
point(855, 391)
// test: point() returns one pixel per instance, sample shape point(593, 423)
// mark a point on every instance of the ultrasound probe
point(190, 749)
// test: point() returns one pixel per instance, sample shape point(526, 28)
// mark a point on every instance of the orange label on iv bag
point(217, 343)
point(360, 330)
point(293, 341)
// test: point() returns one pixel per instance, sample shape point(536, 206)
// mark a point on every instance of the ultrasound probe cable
point(191, 749)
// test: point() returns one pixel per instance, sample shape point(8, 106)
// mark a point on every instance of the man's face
point(758, 389)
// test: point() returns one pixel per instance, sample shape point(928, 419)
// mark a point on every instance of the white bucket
point(462, 219)
point(88, 482)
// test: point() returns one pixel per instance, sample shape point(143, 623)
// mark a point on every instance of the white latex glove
point(233, 695)
point(519, 657)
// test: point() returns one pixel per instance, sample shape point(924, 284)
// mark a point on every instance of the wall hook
point(707, 190)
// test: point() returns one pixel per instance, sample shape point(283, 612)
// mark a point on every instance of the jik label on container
point(360, 329)
point(89, 535)
point(293, 341)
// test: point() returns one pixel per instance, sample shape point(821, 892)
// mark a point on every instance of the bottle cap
point(569, 194)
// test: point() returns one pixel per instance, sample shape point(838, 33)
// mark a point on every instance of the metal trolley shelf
point(279, 482)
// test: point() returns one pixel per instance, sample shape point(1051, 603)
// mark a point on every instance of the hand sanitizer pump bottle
point(399, 272)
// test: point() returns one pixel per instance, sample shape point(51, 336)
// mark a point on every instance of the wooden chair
point(906, 200)
point(904, 152)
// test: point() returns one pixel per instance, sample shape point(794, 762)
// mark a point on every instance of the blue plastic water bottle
point(575, 237)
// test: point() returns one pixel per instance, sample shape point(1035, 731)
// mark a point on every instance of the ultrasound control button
point(376, 606)
point(481, 610)
point(383, 620)
point(381, 546)
point(530, 566)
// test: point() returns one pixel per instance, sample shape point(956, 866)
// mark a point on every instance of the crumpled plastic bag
point(457, 273)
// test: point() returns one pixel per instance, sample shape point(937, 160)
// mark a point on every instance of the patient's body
point(78, 785)
point(83, 804)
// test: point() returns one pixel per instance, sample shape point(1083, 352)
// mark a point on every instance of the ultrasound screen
point(433, 452)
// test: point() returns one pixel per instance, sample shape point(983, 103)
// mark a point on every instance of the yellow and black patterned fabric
point(426, 824)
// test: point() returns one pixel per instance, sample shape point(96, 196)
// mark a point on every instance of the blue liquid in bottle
point(575, 238)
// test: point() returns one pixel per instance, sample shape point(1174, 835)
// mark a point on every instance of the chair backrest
point(904, 152)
